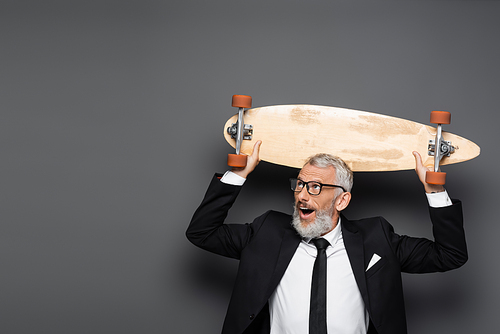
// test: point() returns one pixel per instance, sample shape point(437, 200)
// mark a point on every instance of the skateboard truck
point(439, 148)
point(445, 149)
point(247, 131)
point(240, 130)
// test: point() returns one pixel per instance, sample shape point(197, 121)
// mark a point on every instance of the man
point(278, 290)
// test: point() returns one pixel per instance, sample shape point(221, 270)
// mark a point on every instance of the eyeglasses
point(313, 187)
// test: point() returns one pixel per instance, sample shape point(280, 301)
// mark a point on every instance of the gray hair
point(343, 173)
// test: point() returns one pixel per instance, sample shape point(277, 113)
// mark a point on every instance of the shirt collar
point(331, 236)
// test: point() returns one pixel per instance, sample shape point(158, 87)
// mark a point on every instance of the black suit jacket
point(266, 246)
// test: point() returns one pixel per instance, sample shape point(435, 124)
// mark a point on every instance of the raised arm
point(448, 250)
point(207, 229)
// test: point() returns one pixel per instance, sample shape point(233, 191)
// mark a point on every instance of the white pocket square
point(375, 259)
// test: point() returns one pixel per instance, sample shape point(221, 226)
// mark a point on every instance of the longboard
point(366, 141)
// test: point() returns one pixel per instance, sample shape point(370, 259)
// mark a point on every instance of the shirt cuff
point(232, 179)
point(439, 200)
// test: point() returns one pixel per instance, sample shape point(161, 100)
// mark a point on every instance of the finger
point(420, 169)
point(256, 150)
point(418, 160)
point(419, 165)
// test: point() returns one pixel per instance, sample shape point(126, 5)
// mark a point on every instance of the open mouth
point(305, 212)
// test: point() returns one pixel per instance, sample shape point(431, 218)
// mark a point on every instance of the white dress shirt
point(289, 304)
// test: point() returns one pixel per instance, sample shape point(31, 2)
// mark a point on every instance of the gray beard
point(321, 225)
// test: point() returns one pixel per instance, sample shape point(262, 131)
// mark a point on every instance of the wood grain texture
point(365, 141)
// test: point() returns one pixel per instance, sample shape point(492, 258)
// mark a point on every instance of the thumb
point(256, 150)
point(418, 160)
point(420, 169)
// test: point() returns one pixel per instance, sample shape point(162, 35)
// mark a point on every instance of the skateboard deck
point(366, 141)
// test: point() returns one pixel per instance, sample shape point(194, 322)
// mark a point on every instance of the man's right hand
point(252, 162)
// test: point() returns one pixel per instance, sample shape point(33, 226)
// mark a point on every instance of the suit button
point(252, 316)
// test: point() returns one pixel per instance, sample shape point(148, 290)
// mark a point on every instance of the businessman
point(316, 271)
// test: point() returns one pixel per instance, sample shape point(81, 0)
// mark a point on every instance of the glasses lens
point(296, 185)
point(314, 188)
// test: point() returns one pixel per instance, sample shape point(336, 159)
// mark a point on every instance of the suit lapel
point(354, 245)
point(289, 244)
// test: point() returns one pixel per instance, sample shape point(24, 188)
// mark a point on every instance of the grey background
point(111, 116)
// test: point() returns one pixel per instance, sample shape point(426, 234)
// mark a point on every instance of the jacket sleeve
point(207, 229)
point(447, 251)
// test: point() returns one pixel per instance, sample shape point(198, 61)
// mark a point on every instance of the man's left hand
point(421, 171)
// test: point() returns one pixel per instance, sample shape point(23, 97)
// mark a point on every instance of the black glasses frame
point(293, 181)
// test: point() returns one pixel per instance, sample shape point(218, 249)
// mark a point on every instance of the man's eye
point(315, 186)
point(300, 184)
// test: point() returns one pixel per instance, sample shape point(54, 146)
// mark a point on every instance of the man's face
point(309, 206)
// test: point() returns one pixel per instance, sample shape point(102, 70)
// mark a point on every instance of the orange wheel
point(236, 160)
point(440, 117)
point(242, 101)
point(435, 178)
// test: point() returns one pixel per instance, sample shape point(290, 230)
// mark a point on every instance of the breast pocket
point(376, 267)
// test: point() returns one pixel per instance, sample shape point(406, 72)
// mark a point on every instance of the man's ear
point(342, 201)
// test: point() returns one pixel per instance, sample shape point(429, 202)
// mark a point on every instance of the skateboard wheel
point(236, 160)
point(242, 101)
point(440, 117)
point(438, 178)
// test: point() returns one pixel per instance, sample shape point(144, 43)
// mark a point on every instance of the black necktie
point(317, 313)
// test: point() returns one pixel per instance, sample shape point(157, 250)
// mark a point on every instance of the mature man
point(317, 271)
